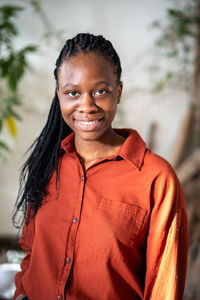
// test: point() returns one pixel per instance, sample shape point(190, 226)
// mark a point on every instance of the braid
point(44, 159)
point(38, 169)
point(85, 42)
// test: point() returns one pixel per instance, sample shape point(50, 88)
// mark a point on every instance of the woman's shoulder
point(149, 164)
point(151, 160)
point(158, 166)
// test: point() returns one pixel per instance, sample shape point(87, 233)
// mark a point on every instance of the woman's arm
point(167, 244)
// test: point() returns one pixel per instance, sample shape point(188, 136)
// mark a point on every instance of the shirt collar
point(68, 143)
point(133, 149)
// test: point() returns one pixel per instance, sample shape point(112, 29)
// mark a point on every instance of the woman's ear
point(120, 88)
point(57, 90)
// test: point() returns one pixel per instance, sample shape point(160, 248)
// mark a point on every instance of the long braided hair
point(45, 155)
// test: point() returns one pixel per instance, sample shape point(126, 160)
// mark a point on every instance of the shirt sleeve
point(25, 242)
point(167, 242)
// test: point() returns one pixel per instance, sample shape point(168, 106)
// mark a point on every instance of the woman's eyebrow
point(101, 82)
point(76, 85)
point(69, 85)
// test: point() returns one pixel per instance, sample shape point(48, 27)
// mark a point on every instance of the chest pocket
point(115, 224)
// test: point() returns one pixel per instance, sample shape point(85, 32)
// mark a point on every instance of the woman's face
point(88, 92)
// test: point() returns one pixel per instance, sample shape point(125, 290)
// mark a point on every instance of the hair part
point(46, 156)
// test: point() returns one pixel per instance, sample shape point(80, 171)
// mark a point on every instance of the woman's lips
point(89, 124)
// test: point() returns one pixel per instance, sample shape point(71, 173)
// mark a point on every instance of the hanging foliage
point(179, 43)
point(13, 65)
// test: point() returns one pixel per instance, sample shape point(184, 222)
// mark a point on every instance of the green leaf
point(14, 66)
point(30, 48)
point(8, 11)
point(175, 13)
point(8, 107)
point(12, 100)
point(14, 114)
point(4, 146)
point(8, 28)
point(6, 65)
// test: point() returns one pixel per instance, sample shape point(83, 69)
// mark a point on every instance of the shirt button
point(68, 260)
point(82, 178)
point(75, 220)
point(60, 296)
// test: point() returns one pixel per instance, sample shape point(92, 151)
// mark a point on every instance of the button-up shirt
point(115, 231)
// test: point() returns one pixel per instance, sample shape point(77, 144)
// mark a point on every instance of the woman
point(105, 217)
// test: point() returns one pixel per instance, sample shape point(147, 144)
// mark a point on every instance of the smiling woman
point(88, 93)
point(104, 217)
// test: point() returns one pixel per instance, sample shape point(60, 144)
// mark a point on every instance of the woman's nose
point(87, 104)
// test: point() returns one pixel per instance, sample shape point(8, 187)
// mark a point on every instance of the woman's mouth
point(89, 125)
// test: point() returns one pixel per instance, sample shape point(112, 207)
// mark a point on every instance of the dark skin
point(89, 93)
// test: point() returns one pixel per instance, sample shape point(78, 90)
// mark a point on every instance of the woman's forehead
point(89, 65)
point(88, 59)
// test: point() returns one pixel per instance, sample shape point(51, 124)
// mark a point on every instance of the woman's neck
point(92, 151)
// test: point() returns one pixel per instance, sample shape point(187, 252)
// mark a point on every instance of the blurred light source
point(7, 280)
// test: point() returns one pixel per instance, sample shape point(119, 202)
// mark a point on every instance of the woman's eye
point(100, 92)
point(72, 94)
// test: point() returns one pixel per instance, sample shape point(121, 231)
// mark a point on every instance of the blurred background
point(158, 42)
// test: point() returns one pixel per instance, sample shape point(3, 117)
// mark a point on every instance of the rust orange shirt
point(115, 232)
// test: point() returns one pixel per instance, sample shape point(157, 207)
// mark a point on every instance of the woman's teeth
point(88, 123)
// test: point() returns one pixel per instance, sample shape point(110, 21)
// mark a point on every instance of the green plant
point(13, 65)
point(179, 44)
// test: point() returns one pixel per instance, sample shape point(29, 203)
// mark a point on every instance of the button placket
point(68, 260)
